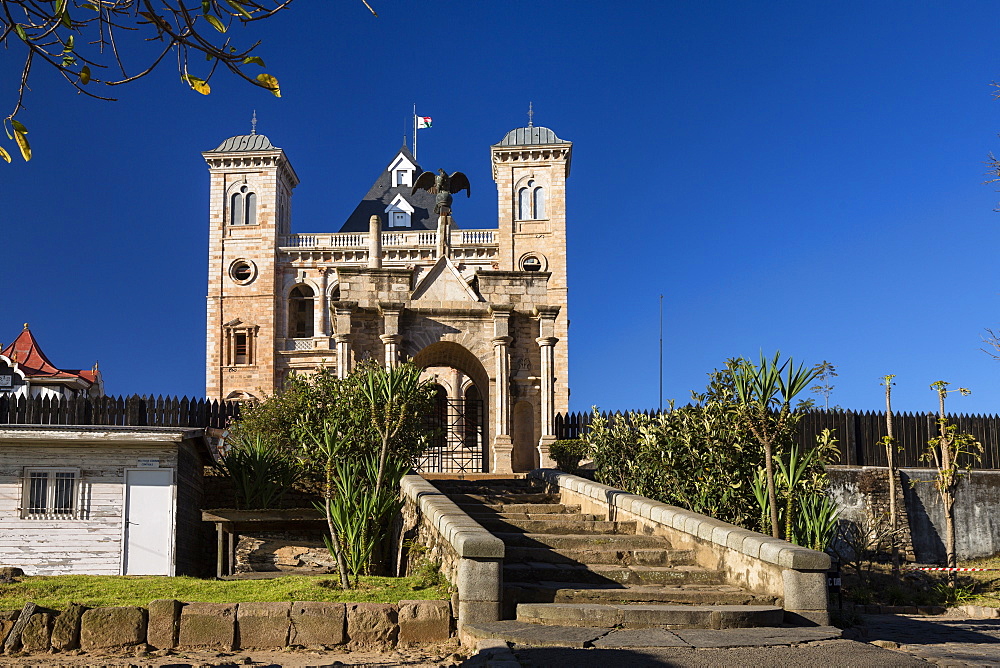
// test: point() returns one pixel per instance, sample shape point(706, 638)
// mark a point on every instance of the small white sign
point(149, 462)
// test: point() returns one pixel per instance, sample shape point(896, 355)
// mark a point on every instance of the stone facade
point(483, 310)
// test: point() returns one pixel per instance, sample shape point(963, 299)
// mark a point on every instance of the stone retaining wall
point(796, 576)
point(169, 624)
point(470, 556)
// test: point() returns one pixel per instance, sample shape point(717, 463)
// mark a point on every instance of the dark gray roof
point(381, 195)
point(530, 136)
point(245, 143)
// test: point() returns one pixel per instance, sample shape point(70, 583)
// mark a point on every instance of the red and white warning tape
point(952, 569)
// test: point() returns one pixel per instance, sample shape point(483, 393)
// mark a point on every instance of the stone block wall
point(169, 624)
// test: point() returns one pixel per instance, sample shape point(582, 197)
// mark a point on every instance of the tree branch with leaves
point(96, 43)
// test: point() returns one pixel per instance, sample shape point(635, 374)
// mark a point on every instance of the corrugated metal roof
point(245, 143)
point(530, 136)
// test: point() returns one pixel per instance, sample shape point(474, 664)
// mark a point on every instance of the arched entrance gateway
point(461, 444)
point(480, 307)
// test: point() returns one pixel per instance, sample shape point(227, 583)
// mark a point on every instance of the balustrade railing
point(389, 239)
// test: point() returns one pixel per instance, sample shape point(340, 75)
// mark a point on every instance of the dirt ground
point(446, 655)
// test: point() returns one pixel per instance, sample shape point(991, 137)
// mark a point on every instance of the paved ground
point(945, 641)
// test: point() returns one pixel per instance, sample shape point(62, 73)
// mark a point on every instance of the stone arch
point(456, 356)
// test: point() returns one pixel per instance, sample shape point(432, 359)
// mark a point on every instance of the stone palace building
point(482, 308)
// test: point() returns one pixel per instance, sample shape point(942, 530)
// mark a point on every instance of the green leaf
point(256, 60)
point(4, 154)
point(22, 143)
point(205, 6)
point(269, 82)
point(85, 75)
point(65, 20)
point(69, 44)
point(68, 61)
point(238, 7)
point(199, 85)
point(216, 23)
point(90, 5)
point(20, 32)
point(60, 7)
point(18, 126)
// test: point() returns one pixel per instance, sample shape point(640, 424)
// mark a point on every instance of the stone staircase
point(563, 568)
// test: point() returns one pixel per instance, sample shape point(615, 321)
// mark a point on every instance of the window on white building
point(243, 207)
point(50, 494)
point(531, 202)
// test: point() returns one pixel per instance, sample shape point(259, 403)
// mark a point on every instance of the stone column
point(546, 316)
point(390, 325)
point(503, 445)
point(320, 307)
point(342, 312)
point(374, 242)
point(444, 235)
point(391, 343)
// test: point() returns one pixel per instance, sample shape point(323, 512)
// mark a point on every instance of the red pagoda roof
point(26, 353)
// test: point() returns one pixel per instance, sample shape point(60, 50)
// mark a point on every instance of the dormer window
point(399, 212)
point(401, 172)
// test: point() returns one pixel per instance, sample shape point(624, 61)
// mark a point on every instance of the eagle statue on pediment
point(442, 187)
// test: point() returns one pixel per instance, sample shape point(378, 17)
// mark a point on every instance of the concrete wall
point(470, 556)
point(977, 509)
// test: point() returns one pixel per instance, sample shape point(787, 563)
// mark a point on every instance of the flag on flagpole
point(423, 122)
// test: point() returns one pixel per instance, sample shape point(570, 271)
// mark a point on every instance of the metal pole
point(661, 353)
point(414, 132)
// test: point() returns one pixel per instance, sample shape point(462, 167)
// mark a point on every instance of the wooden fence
point(131, 411)
point(859, 434)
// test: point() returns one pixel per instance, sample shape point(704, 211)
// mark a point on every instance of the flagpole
point(661, 353)
point(414, 131)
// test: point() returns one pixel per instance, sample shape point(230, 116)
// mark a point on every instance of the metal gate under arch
point(459, 442)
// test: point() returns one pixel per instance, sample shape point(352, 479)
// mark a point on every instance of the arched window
point(538, 202)
point(441, 415)
point(523, 204)
point(300, 312)
point(243, 207)
point(531, 202)
point(236, 209)
point(251, 210)
point(473, 418)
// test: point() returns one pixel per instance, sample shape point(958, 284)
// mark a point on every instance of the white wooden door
point(148, 522)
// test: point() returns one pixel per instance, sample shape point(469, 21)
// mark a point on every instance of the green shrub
point(568, 454)
point(260, 472)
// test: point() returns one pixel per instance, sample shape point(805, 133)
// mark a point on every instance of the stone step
point(489, 499)
point(518, 508)
point(558, 517)
point(621, 556)
point(582, 541)
point(647, 616)
point(609, 574)
point(547, 635)
point(560, 526)
point(582, 592)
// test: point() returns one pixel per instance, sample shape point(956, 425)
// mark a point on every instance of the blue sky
point(797, 176)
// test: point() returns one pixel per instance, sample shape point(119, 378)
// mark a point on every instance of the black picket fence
point(858, 433)
point(131, 411)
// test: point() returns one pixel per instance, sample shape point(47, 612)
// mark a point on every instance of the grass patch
point(58, 591)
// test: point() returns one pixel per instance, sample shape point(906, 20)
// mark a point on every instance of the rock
point(164, 622)
point(317, 624)
point(372, 626)
point(208, 625)
point(37, 633)
point(66, 631)
point(885, 644)
point(13, 641)
point(8, 572)
point(423, 622)
point(106, 628)
point(263, 625)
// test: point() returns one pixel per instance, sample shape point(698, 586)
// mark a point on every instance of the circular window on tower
point(532, 262)
point(243, 271)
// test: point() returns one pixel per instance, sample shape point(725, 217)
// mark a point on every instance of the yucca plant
point(261, 474)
